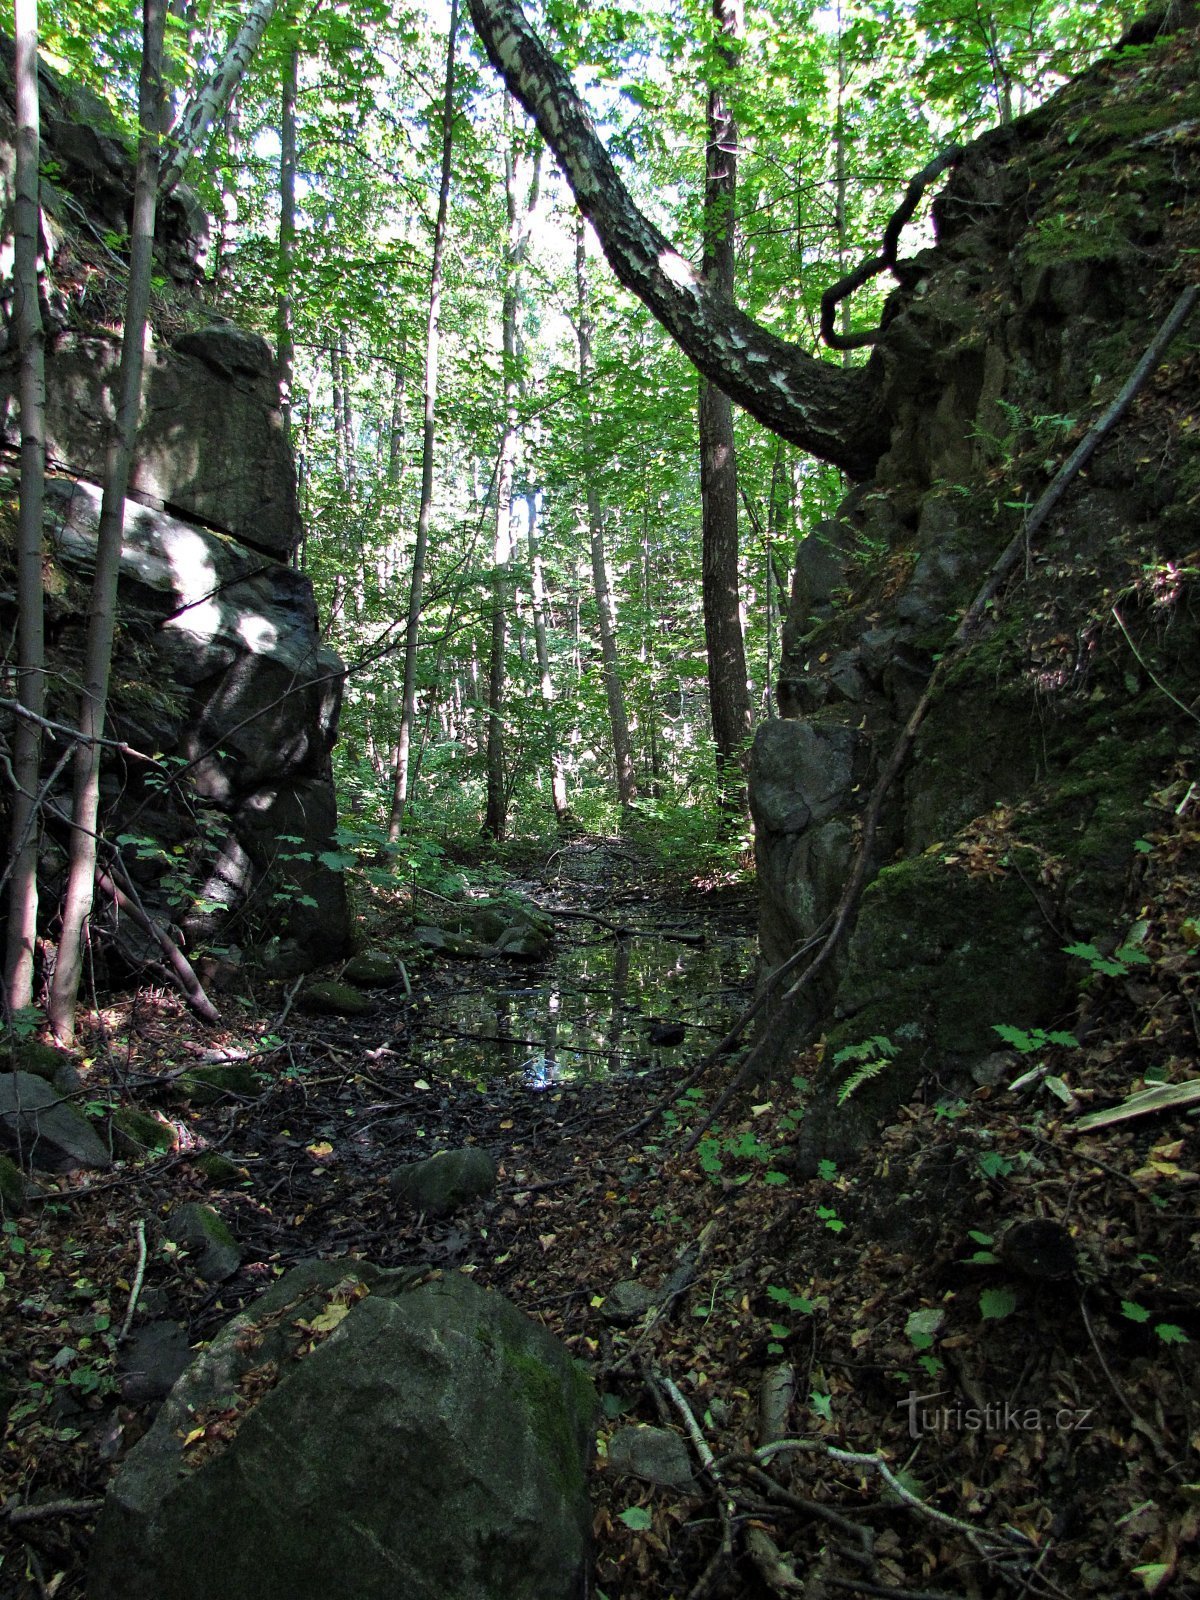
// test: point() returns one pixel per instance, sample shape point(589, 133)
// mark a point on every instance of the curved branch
point(831, 411)
point(899, 220)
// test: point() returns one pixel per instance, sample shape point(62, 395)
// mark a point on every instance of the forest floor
point(978, 1342)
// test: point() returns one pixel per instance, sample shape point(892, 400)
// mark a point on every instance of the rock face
point(1012, 827)
point(218, 661)
point(344, 1435)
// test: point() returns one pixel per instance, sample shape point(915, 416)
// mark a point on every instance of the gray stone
point(47, 1131)
point(12, 1187)
point(523, 942)
point(655, 1454)
point(424, 1444)
point(627, 1302)
point(152, 1361)
point(445, 1181)
point(213, 1249)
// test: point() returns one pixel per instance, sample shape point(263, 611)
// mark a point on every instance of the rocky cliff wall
point(219, 669)
point(1062, 241)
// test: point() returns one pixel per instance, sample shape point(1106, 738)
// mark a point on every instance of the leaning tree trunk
point(284, 334)
point(31, 682)
point(432, 328)
point(833, 413)
point(728, 694)
point(77, 903)
point(618, 720)
point(208, 104)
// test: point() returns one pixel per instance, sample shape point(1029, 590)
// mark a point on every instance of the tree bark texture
point(614, 692)
point(31, 682)
point(432, 330)
point(208, 104)
point(832, 413)
point(728, 695)
point(77, 901)
point(558, 776)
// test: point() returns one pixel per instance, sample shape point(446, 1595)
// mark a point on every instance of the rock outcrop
point(219, 670)
point(1062, 242)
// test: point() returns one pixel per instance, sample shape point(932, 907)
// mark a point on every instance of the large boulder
point(348, 1436)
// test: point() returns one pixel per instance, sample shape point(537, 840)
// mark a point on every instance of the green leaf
point(980, 1238)
point(1171, 1333)
point(997, 1303)
point(637, 1518)
point(1135, 1313)
point(775, 1178)
point(822, 1404)
point(994, 1165)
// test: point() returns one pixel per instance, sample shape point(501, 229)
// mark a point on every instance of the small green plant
point(1030, 1041)
point(985, 1257)
point(869, 1059)
point(800, 1305)
point(1168, 1332)
point(995, 1304)
point(1116, 965)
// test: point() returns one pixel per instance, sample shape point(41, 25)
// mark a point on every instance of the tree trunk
point(417, 585)
point(728, 696)
point(285, 344)
point(208, 104)
point(831, 412)
point(77, 902)
point(558, 776)
point(613, 690)
point(496, 818)
point(31, 683)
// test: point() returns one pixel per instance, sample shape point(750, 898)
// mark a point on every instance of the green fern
point(871, 1057)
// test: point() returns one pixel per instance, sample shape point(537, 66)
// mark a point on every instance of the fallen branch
point(961, 641)
point(51, 1508)
point(181, 968)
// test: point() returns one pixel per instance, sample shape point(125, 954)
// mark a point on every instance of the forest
point(598, 731)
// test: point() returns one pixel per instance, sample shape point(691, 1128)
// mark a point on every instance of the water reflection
point(594, 1010)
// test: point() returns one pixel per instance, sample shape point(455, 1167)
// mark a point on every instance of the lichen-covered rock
point(211, 1080)
point(445, 1181)
point(424, 1443)
point(655, 1454)
point(218, 1170)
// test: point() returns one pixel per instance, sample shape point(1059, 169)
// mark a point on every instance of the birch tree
point(77, 902)
point(31, 690)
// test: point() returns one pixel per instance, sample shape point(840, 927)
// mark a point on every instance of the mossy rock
point(332, 999)
point(445, 1181)
point(936, 959)
point(212, 1247)
point(12, 1187)
point(373, 969)
point(43, 1060)
point(136, 1132)
point(218, 1169)
point(207, 1084)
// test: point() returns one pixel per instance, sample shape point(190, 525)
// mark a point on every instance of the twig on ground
point(138, 1278)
